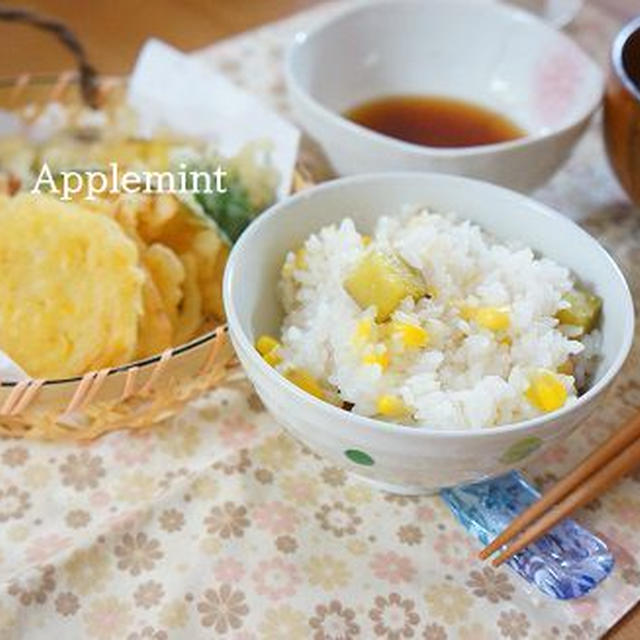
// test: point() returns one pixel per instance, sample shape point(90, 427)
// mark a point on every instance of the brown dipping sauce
point(434, 121)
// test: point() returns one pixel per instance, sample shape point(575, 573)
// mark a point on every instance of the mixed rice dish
point(432, 322)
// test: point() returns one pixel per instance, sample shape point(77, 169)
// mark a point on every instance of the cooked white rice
point(467, 376)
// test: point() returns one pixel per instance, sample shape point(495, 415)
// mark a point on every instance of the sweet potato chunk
point(383, 280)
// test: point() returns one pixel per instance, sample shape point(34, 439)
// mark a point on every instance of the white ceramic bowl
point(558, 13)
point(396, 458)
point(488, 53)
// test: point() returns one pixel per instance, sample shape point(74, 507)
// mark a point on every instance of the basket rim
point(43, 79)
point(143, 362)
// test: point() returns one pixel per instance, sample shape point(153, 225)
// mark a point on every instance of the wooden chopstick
point(577, 478)
point(594, 486)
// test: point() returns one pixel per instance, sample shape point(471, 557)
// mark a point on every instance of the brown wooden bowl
point(622, 109)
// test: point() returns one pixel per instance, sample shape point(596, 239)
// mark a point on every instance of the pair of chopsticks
point(619, 455)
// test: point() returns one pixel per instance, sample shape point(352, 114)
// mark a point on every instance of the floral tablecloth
point(217, 524)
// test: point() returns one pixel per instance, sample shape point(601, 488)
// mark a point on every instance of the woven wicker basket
point(133, 396)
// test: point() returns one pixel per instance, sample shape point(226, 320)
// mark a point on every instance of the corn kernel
point(272, 358)
point(392, 406)
point(301, 258)
point(305, 381)
point(268, 347)
point(492, 318)
point(265, 344)
point(380, 358)
point(366, 240)
point(364, 330)
point(466, 312)
point(546, 392)
point(412, 335)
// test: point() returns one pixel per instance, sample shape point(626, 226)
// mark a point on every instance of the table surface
point(112, 44)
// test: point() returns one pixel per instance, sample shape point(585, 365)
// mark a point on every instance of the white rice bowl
point(467, 376)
